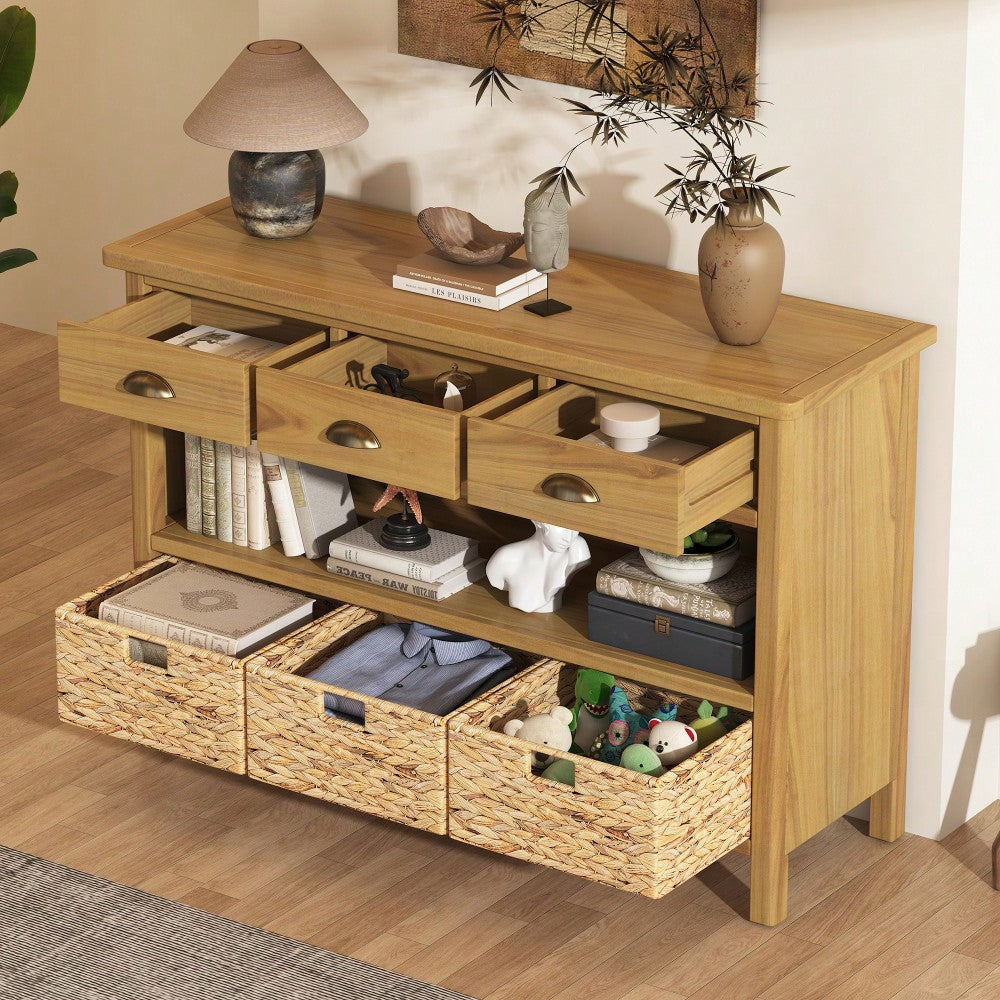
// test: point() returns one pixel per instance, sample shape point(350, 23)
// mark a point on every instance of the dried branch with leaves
point(677, 79)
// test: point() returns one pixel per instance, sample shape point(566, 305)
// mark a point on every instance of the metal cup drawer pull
point(148, 384)
point(572, 489)
point(351, 434)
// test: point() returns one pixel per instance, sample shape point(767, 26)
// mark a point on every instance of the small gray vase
point(741, 267)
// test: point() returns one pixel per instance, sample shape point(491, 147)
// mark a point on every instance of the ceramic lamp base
point(277, 195)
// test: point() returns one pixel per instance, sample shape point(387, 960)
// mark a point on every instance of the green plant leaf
point(17, 57)
point(15, 258)
point(8, 184)
point(8, 206)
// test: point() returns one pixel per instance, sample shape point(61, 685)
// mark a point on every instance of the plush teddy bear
point(671, 741)
point(550, 729)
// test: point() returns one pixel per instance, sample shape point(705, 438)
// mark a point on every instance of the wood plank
point(952, 977)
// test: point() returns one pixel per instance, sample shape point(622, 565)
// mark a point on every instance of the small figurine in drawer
point(671, 741)
point(535, 572)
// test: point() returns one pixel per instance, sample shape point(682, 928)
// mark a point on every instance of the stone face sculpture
point(546, 229)
point(461, 237)
point(535, 572)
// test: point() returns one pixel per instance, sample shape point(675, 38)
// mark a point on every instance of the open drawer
point(531, 462)
point(119, 363)
point(324, 411)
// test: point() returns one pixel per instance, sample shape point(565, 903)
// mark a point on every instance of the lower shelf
point(477, 610)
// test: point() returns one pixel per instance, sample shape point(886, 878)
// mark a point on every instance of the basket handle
point(349, 712)
point(148, 654)
point(532, 770)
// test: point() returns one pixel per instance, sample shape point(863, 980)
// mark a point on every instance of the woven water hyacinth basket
point(627, 830)
point(193, 707)
point(394, 765)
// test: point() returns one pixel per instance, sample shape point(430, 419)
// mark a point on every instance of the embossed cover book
point(208, 608)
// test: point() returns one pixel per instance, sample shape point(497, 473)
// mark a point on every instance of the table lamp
point(275, 106)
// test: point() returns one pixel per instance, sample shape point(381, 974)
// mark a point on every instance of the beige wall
point(97, 144)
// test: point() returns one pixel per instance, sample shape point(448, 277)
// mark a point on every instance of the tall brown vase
point(741, 267)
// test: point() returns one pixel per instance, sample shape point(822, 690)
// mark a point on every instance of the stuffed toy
point(563, 771)
point(638, 757)
point(626, 726)
point(550, 729)
point(709, 726)
point(671, 741)
point(590, 713)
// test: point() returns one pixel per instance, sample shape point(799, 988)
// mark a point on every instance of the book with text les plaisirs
point(489, 279)
point(208, 608)
point(445, 553)
point(465, 298)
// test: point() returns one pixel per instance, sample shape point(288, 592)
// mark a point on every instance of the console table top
point(632, 325)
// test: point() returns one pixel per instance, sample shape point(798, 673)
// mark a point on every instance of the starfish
point(410, 499)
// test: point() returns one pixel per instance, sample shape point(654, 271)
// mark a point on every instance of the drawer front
point(410, 445)
point(119, 363)
point(196, 393)
point(603, 492)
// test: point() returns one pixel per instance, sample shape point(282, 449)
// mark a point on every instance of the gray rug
point(67, 935)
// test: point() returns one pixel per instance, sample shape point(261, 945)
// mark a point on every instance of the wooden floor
point(914, 919)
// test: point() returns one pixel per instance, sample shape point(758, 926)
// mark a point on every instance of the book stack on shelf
point(709, 626)
point(449, 564)
point(247, 497)
point(490, 286)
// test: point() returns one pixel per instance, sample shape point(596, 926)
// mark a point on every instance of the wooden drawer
point(318, 411)
point(612, 825)
point(109, 363)
point(531, 462)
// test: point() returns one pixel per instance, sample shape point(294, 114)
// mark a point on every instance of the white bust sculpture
point(535, 572)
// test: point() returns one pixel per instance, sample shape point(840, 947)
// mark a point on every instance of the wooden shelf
point(478, 610)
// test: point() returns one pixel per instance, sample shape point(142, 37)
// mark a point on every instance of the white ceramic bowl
point(700, 567)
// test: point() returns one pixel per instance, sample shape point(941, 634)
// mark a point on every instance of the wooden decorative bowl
point(461, 237)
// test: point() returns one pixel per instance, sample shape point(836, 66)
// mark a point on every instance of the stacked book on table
point(491, 286)
point(709, 626)
point(449, 564)
point(248, 497)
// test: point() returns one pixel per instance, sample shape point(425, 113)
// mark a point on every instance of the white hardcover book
point(284, 508)
point(446, 552)
point(323, 502)
point(257, 533)
point(208, 508)
point(223, 491)
point(449, 584)
point(494, 302)
point(238, 474)
point(192, 481)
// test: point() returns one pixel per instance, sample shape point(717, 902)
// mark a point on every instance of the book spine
point(192, 481)
point(444, 292)
point(161, 628)
point(380, 578)
point(257, 534)
point(466, 284)
point(666, 598)
point(208, 524)
point(239, 480)
point(303, 513)
point(224, 491)
point(386, 561)
point(284, 508)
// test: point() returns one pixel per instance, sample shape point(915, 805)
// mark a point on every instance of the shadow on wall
point(976, 698)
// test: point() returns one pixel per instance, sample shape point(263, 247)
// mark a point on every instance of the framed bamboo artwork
point(446, 30)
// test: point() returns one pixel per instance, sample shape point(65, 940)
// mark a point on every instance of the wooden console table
point(812, 438)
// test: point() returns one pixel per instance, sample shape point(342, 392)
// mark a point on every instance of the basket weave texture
point(394, 766)
point(194, 707)
point(627, 830)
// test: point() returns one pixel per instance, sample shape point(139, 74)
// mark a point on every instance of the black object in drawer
point(669, 636)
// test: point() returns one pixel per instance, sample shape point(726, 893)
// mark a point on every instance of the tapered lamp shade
point(276, 106)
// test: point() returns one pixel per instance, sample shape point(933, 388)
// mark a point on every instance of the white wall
point(970, 777)
point(867, 108)
point(97, 143)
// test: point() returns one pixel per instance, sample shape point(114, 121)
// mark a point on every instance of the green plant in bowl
point(711, 538)
point(709, 553)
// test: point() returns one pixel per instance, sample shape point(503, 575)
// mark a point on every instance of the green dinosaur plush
point(590, 711)
point(709, 726)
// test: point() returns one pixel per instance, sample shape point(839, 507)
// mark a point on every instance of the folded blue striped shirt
point(424, 667)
